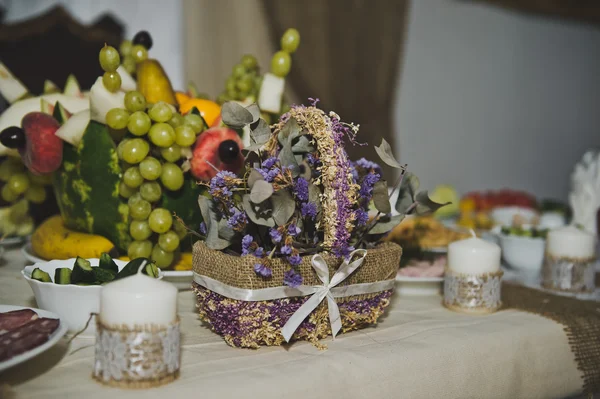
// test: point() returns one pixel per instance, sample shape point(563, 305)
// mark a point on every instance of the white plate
point(53, 339)
point(418, 286)
point(11, 241)
point(182, 279)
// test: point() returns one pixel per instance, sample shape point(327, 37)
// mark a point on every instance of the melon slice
point(127, 82)
point(102, 101)
point(11, 88)
point(271, 91)
point(50, 87)
point(72, 87)
point(73, 129)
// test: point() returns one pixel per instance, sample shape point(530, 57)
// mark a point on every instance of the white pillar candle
point(473, 256)
point(571, 242)
point(138, 300)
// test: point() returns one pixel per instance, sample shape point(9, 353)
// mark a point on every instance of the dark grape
point(13, 137)
point(228, 151)
point(143, 38)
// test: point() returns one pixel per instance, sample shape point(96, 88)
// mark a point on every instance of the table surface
point(418, 350)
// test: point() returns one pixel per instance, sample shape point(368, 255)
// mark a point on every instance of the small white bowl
point(504, 215)
point(73, 303)
point(524, 254)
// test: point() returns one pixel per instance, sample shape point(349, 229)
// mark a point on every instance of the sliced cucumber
point(62, 275)
point(103, 275)
point(82, 272)
point(151, 270)
point(132, 268)
point(107, 263)
point(40, 275)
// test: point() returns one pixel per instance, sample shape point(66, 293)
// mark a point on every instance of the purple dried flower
point(203, 228)
point(293, 230)
point(262, 270)
point(268, 163)
point(294, 260)
point(269, 175)
point(275, 235)
point(218, 184)
point(366, 188)
point(238, 219)
point(292, 279)
point(309, 210)
point(301, 189)
point(246, 242)
point(368, 165)
point(286, 250)
point(362, 217)
point(259, 252)
point(312, 160)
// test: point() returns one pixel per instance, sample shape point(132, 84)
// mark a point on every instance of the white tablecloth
point(418, 350)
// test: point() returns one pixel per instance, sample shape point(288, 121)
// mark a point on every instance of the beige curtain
point(217, 34)
point(348, 56)
point(576, 10)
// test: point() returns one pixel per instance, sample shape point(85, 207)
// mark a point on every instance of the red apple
point(218, 148)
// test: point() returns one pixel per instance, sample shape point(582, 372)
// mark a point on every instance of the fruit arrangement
point(475, 206)
point(524, 232)
point(125, 158)
point(424, 233)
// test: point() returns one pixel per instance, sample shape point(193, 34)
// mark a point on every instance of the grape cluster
point(109, 61)
point(135, 51)
point(244, 81)
point(18, 188)
point(155, 139)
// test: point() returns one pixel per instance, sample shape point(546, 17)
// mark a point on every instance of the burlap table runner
point(581, 321)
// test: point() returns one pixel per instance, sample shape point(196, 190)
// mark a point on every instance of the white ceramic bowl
point(504, 215)
point(73, 303)
point(524, 254)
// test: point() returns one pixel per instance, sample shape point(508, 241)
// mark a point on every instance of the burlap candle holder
point(575, 275)
point(472, 293)
point(139, 357)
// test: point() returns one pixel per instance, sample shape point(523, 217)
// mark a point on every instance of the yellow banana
point(52, 240)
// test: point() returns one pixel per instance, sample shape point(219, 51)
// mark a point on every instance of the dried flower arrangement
point(299, 195)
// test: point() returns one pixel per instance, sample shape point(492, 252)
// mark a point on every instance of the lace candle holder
point(472, 293)
point(567, 274)
point(137, 357)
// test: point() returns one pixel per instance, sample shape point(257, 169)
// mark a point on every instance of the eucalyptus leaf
point(286, 156)
point(289, 132)
point(407, 192)
point(235, 116)
point(257, 214)
point(225, 232)
point(426, 205)
point(386, 224)
point(213, 240)
point(261, 191)
point(385, 153)
point(380, 197)
point(302, 145)
point(253, 177)
point(253, 148)
point(261, 133)
point(254, 111)
point(283, 206)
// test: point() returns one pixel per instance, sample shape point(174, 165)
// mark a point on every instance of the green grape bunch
point(151, 151)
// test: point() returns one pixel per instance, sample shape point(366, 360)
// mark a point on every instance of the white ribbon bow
point(323, 291)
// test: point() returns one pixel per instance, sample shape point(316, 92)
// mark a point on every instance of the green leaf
point(225, 232)
point(283, 206)
point(302, 145)
point(385, 153)
point(290, 131)
point(254, 111)
point(213, 240)
point(261, 191)
point(386, 224)
point(407, 193)
point(259, 214)
point(425, 205)
point(235, 116)
point(261, 133)
point(253, 177)
point(380, 197)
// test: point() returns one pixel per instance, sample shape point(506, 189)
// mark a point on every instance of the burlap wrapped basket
point(250, 324)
